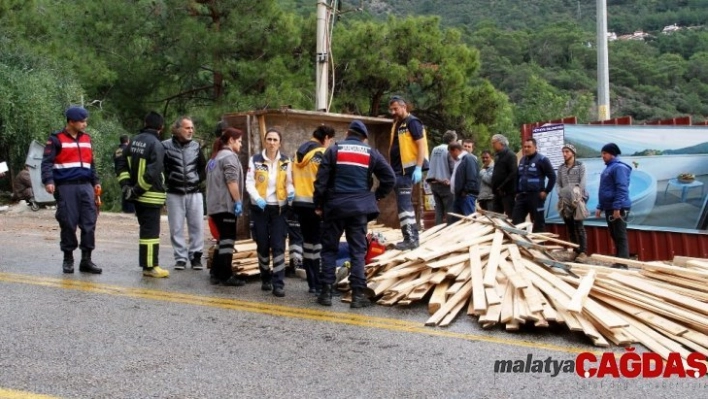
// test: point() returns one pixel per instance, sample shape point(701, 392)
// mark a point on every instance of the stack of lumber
point(245, 260)
point(504, 275)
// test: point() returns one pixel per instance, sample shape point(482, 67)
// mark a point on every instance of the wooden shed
point(297, 127)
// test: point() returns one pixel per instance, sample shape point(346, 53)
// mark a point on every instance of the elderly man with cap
point(69, 173)
point(344, 198)
point(572, 198)
point(613, 199)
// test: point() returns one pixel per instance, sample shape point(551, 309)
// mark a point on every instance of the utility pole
point(322, 57)
point(603, 72)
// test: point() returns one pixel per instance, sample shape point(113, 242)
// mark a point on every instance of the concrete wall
point(297, 127)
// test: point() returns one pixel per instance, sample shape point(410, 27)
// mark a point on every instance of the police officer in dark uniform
point(142, 181)
point(344, 198)
point(126, 205)
point(69, 173)
point(532, 188)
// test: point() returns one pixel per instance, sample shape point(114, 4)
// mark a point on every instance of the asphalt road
point(119, 335)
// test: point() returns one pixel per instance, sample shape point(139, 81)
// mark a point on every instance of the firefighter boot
point(68, 264)
point(325, 297)
point(86, 265)
point(359, 299)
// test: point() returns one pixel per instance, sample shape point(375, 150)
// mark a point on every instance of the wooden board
point(460, 297)
point(577, 300)
point(490, 273)
point(479, 299)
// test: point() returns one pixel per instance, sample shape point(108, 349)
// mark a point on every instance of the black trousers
point(224, 253)
point(530, 203)
point(504, 204)
point(76, 207)
point(355, 228)
point(149, 243)
point(311, 227)
point(269, 226)
point(294, 233)
point(618, 232)
point(486, 204)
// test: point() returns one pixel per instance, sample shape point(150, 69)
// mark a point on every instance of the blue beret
point(359, 127)
point(76, 113)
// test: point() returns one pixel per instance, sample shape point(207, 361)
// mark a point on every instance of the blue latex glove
point(417, 175)
point(261, 203)
point(291, 196)
point(238, 208)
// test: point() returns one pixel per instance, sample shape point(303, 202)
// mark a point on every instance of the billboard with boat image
point(669, 170)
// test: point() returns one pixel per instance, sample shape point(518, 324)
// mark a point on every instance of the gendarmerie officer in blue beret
point(69, 173)
point(344, 198)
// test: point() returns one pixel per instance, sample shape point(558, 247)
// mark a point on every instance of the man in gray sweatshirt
point(438, 177)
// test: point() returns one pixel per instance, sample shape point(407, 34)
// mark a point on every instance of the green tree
point(34, 94)
point(416, 58)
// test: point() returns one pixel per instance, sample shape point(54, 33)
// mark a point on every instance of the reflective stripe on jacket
point(408, 147)
point(305, 172)
point(261, 178)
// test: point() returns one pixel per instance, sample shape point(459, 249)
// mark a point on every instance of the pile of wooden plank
point(504, 275)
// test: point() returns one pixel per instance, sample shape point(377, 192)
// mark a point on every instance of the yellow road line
point(13, 394)
point(361, 320)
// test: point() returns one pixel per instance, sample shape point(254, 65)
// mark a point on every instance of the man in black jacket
point(141, 180)
point(536, 180)
point(344, 198)
point(504, 175)
point(184, 173)
point(463, 183)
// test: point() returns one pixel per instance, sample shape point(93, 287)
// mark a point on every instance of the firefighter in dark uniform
point(344, 198)
point(269, 184)
point(69, 173)
point(532, 188)
point(307, 161)
point(140, 174)
point(126, 205)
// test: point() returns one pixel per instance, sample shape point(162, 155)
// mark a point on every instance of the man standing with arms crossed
point(408, 156)
point(184, 174)
point(536, 180)
point(438, 177)
point(141, 179)
point(69, 173)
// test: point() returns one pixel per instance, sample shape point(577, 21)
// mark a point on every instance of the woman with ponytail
point(224, 202)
